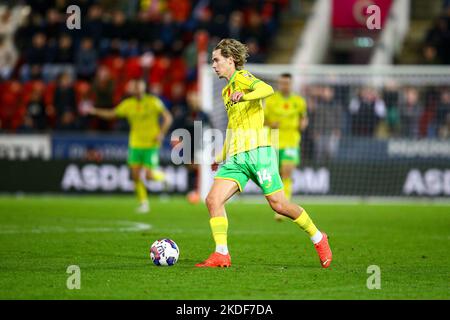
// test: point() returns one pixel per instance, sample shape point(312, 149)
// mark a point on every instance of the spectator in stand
point(8, 58)
point(430, 55)
point(186, 119)
point(410, 112)
point(219, 26)
point(65, 103)
point(443, 115)
point(326, 125)
point(25, 32)
point(169, 31)
point(366, 110)
point(93, 25)
point(86, 60)
point(103, 89)
point(190, 57)
point(85, 102)
point(53, 26)
point(35, 57)
point(35, 118)
point(255, 29)
point(60, 59)
point(438, 37)
point(64, 52)
point(236, 25)
point(118, 28)
point(203, 21)
point(392, 99)
point(254, 51)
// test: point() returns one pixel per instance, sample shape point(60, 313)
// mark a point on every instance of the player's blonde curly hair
point(234, 49)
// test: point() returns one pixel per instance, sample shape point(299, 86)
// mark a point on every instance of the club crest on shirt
point(247, 75)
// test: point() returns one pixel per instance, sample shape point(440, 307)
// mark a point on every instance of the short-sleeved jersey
point(245, 129)
point(287, 112)
point(143, 117)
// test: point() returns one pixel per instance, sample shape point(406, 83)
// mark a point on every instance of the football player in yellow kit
point(286, 112)
point(143, 112)
point(248, 155)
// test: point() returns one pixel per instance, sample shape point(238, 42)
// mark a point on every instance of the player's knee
point(212, 202)
point(135, 175)
point(277, 206)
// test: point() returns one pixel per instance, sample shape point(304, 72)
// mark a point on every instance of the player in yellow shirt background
point(248, 154)
point(286, 112)
point(144, 113)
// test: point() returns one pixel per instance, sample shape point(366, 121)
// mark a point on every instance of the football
point(164, 252)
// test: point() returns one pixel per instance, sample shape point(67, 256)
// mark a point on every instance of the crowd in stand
point(394, 111)
point(48, 72)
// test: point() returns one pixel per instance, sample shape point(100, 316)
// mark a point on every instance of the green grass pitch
point(41, 236)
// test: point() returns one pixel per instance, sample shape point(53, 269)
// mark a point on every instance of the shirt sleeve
point(159, 105)
point(246, 80)
point(122, 109)
point(261, 90)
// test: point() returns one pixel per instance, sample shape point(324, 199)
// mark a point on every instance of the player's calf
point(299, 215)
point(282, 206)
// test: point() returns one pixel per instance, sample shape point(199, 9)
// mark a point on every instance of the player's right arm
point(108, 114)
point(304, 120)
point(120, 111)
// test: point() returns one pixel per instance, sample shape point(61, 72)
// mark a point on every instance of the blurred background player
point(186, 119)
point(143, 112)
point(286, 112)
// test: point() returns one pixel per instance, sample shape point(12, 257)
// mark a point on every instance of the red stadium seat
point(159, 70)
point(178, 70)
point(115, 65)
point(10, 102)
point(133, 68)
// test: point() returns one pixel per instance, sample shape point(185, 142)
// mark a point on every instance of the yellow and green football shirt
point(287, 112)
point(143, 117)
point(245, 129)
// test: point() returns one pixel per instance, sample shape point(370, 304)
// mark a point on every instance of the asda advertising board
point(395, 179)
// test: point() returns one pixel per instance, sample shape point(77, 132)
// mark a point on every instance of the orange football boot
point(216, 260)
point(324, 251)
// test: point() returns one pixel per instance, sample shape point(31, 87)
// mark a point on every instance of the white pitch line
point(349, 200)
point(127, 226)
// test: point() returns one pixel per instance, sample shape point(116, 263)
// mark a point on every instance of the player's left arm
point(260, 90)
point(167, 120)
point(257, 89)
point(304, 120)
